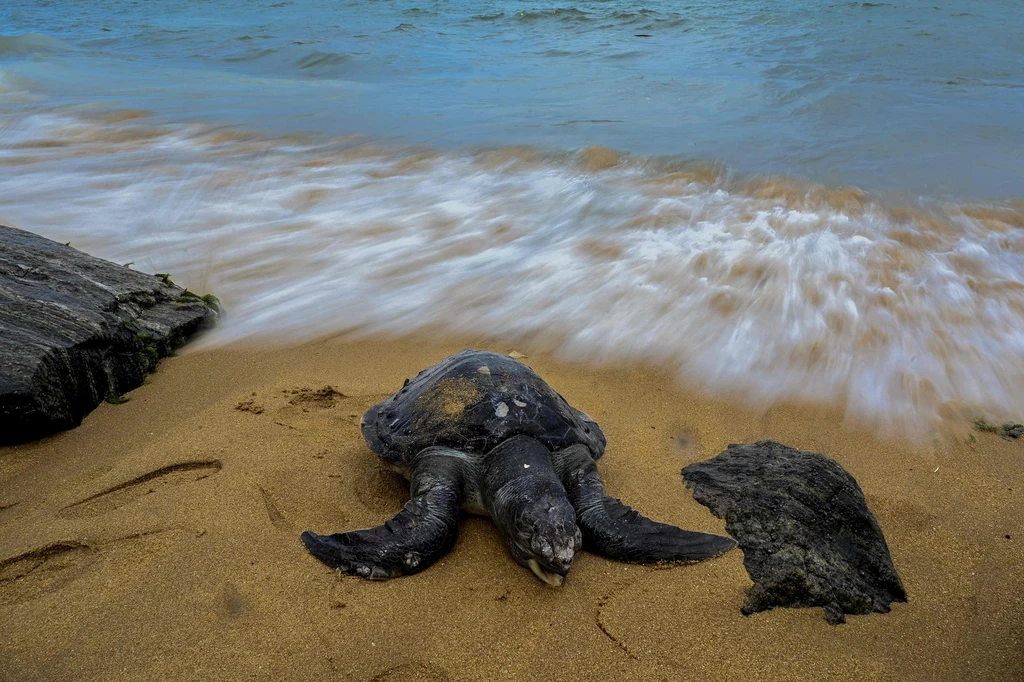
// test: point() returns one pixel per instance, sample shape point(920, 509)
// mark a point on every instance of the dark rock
point(75, 329)
point(1008, 431)
point(807, 535)
point(1012, 431)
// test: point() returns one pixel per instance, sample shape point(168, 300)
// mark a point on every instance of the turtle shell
point(472, 401)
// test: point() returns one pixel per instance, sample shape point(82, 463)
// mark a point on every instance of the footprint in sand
point(232, 602)
point(120, 495)
point(303, 397)
point(250, 405)
point(321, 398)
point(279, 520)
point(304, 406)
point(42, 570)
point(412, 672)
point(47, 569)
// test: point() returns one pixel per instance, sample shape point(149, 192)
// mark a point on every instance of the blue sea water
point(810, 199)
point(923, 95)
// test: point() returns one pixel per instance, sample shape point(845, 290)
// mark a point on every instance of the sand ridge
point(160, 541)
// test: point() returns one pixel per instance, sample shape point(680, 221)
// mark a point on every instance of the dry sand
point(195, 571)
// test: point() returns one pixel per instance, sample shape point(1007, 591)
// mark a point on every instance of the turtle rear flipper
point(415, 537)
point(618, 532)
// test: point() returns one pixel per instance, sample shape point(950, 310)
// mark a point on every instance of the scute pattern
point(473, 401)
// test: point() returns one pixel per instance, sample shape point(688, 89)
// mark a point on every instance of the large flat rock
point(807, 535)
point(75, 329)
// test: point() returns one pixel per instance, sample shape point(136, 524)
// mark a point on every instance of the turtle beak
point(553, 579)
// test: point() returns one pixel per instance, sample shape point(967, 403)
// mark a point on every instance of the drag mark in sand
point(4, 507)
point(604, 628)
point(124, 493)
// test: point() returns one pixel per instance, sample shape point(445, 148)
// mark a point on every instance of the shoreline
point(197, 571)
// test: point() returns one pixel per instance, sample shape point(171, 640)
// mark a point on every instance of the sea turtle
point(483, 432)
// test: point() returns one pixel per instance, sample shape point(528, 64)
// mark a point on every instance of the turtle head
point(545, 537)
point(530, 508)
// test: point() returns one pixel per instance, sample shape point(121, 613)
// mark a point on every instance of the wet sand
point(160, 540)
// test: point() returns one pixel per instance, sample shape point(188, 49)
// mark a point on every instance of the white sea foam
point(768, 286)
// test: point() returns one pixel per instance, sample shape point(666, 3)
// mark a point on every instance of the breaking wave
point(764, 284)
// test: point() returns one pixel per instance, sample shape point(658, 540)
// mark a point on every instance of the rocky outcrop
point(75, 329)
point(807, 535)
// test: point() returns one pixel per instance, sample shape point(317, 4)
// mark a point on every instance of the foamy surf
point(770, 286)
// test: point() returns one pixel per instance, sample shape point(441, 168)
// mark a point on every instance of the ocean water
point(810, 200)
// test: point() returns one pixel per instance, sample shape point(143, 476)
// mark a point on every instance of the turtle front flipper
point(618, 532)
point(415, 537)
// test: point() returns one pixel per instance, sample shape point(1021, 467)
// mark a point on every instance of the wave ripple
point(767, 285)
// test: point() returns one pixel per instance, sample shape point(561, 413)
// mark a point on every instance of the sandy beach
point(160, 540)
point(702, 223)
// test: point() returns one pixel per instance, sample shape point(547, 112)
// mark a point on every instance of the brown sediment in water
point(188, 563)
point(802, 195)
point(597, 158)
point(410, 162)
point(121, 115)
point(599, 250)
point(989, 215)
point(520, 155)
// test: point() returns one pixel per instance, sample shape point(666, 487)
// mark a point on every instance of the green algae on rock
point(75, 329)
